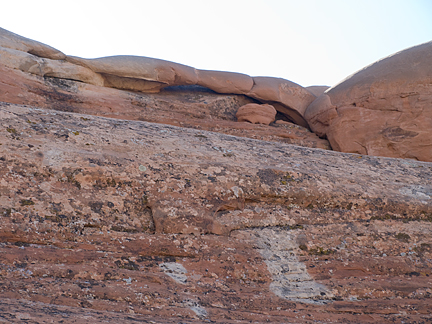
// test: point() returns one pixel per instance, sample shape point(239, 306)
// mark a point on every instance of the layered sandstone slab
point(43, 67)
point(155, 220)
point(384, 109)
point(225, 82)
point(121, 71)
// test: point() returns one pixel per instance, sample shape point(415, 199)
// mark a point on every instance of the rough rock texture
point(123, 206)
point(256, 114)
point(129, 220)
point(384, 109)
point(193, 107)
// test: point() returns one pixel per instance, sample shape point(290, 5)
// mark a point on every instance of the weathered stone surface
point(193, 107)
point(225, 82)
point(382, 110)
point(17, 42)
point(144, 74)
point(48, 68)
point(119, 219)
point(116, 217)
point(139, 67)
point(286, 96)
point(256, 114)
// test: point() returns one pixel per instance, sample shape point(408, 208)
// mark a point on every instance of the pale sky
point(310, 42)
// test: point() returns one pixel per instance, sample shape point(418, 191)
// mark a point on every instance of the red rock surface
point(107, 219)
point(149, 75)
point(192, 107)
point(225, 82)
point(124, 206)
point(383, 110)
point(256, 114)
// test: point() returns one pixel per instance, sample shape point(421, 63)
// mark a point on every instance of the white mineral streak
point(290, 277)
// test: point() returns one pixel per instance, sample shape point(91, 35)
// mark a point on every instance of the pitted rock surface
point(103, 217)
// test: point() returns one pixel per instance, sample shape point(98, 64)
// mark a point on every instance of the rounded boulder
point(256, 113)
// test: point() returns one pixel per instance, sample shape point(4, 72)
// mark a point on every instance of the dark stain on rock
point(156, 258)
point(397, 134)
point(27, 202)
point(268, 176)
point(63, 84)
point(127, 264)
point(403, 237)
point(96, 206)
point(58, 99)
point(56, 207)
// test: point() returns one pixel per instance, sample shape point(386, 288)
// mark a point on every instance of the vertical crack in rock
point(290, 277)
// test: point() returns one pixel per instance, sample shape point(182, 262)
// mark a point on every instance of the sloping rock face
point(128, 220)
point(384, 109)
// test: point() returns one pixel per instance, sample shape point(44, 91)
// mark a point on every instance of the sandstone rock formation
point(19, 43)
point(256, 114)
point(48, 68)
point(139, 73)
point(185, 106)
point(102, 217)
point(124, 196)
point(286, 96)
point(384, 109)
point(377, 111)
point(225, 82)
point(144, 74)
